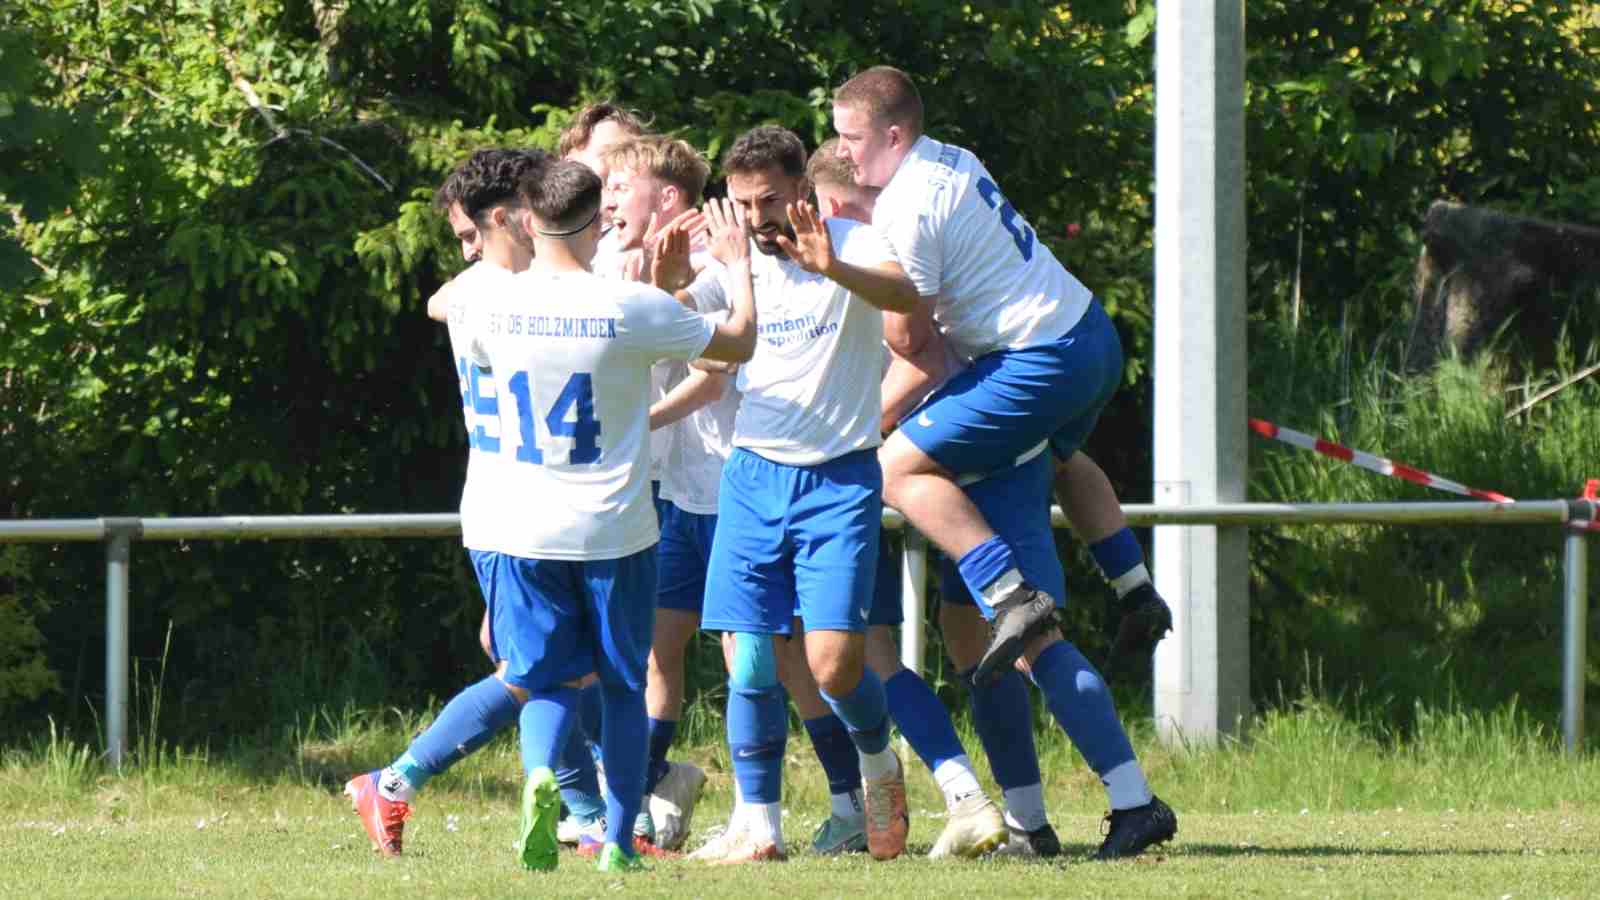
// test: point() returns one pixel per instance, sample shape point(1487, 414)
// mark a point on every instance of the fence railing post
point(1574, 638)
point(120, 534)
point(913, 598)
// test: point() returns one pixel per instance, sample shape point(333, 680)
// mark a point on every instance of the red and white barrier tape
point(1591, 492)
point(1370, 462)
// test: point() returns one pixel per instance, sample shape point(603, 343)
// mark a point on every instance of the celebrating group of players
point(771, 372)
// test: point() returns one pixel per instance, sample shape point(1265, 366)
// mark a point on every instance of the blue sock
point(580, 785)
point(466, 723)
point(758, 729)
point(1077, 696)
point(1117, 554)
point(982, 565)
point(1002, 714)
point(865, 712)
point(622, 729)
point(546, 722)
point(836, 753)
point(923, 720)
point(661, 734)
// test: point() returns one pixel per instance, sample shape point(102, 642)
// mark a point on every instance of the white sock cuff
point(1129, 580)
point(1126, 787)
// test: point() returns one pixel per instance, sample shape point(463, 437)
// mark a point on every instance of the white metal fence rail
point(1572, 516)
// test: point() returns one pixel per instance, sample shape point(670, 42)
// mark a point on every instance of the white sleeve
point(915, 241)
point(708, 290)
point(662, 328)
point(861, 245)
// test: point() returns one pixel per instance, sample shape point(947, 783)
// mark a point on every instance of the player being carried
point(1045, 359)
point(573, 590)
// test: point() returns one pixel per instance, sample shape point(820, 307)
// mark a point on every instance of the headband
point(586, 224)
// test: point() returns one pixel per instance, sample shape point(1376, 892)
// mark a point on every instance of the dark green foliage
point(229, 206)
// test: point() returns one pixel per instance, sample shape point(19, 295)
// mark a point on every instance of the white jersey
point(614, 262)
point(996, 284)
point(572, 354)
point(479, 400)
point(812, 391)
point(701, 441)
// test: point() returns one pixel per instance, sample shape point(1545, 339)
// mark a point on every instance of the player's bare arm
point(911, 376)
point(885, 285)
point(439, 303)
point(701, 388)
point(734, 340)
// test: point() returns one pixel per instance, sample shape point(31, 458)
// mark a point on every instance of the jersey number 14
point(577, 400)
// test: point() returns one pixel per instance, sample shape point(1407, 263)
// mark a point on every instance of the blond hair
point(668, 159)
point(827, 169)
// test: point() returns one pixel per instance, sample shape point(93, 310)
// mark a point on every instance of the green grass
point(1315, 801)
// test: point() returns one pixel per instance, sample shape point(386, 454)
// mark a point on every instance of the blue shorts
point(1017, 505)
point(683, 554)
point(661, 505)
point(795, 539)
point(886, 597)
point(1008, 401)
point(553, 621)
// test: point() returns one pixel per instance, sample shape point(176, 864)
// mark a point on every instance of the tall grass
point(1322, 748)
point(1458, 618)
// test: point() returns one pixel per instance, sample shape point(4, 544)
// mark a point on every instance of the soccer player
point(654, 183)
point(1045, 360)
point(973, 825)
point(483, 193)
point(800, 504)
point(573, 589)
point(595, 129)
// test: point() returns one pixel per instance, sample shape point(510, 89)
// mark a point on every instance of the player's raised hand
point(729, 233)
point(669, 264)
point(812, 247)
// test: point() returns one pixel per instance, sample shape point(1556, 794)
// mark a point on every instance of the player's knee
point(837, 674)
point(753, 663)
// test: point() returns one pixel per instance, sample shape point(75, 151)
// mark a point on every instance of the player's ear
point(830, 207)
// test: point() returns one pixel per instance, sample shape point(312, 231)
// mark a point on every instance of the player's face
point(466, 233)
point(629, 200)
point(601, 138)
point(764, 197)
point(870, 146)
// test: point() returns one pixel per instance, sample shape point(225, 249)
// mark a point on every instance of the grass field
point(1314, 803)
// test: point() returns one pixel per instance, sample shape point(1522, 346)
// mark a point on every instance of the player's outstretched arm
point(700, 388)
point(734, 340)
point(439, 303)
point(884, 285)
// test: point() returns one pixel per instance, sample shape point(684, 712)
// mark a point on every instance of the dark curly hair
point(489, 178)
point(763, 147)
